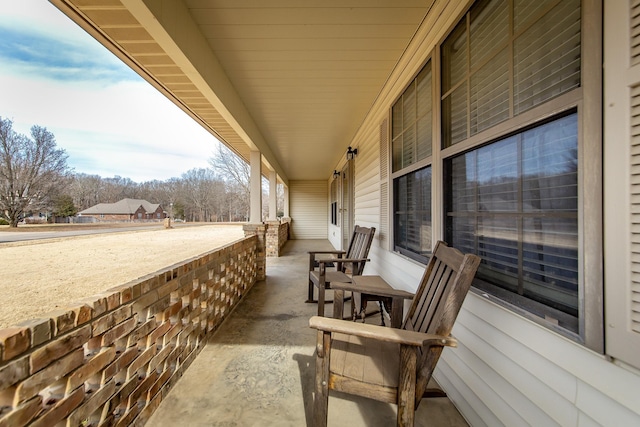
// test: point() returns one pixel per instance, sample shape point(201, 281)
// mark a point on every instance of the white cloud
point(124, 128)
point(41, 16)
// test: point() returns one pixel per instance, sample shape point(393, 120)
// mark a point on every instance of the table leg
point(338, 303)
point(397, 306)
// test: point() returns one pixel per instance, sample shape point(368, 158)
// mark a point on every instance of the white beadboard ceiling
point(292, 78)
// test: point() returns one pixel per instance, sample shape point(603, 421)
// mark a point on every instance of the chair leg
point(310, 293)
point(363, 310)
point(321, 396)
point(407, 386)
point(321, 292)
point(354, 310)
point(434, 392)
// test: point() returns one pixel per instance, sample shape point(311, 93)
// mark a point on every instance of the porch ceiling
point(294, 79)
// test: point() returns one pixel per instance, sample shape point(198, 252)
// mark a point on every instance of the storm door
point(347, 204)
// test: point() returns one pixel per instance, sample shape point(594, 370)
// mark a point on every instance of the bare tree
point(203, 192)
point(86, 190)
point(232, 169)
point(30, 170)
point(118, 188)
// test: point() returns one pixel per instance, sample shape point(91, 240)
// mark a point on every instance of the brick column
point(259, 230)
point(273, 239)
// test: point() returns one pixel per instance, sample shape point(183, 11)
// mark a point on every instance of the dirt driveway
point(40, 276)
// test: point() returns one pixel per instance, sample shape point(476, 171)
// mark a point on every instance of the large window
point(411, 154)
point(517, 94)
point(511, 102)
point(514, 202)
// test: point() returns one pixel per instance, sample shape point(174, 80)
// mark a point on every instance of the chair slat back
point(438, 300)
point(442, 289)
point(359, 246)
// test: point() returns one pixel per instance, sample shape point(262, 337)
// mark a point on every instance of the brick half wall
point(110, 359)
point(277, 234)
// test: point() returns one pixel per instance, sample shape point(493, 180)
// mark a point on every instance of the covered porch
point(258, 367)
point(506, 128)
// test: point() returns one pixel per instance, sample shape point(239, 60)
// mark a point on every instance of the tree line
point(36, 180)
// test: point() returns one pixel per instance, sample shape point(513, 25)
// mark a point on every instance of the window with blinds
point(411, 141)
point(514, 202)
point(498, 63)
point(383, 234)
point(412, 214)
point(411, 118)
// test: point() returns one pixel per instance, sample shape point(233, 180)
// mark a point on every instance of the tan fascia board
point(172, 27)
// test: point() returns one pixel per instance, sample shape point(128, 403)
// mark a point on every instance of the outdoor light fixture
point(351, 153)
point(336, 174)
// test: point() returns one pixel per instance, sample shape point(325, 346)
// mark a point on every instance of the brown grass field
point(40, 276)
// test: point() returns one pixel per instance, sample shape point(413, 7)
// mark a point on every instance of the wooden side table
point(372, 285)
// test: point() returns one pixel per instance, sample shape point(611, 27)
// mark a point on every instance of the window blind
point(424, 109)
point(412, 214)
point(383, 235)
point(547, 57)
point(489, 88)
point(488, 29)
point(511, 67)
point(526, 11)
point(412, 122)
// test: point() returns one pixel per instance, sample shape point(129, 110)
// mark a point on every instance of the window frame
point(587, 101)
point(424, 259)
point(524, 306)
point(428, 161)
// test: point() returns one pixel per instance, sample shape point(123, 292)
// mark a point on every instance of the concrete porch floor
point(258, 368)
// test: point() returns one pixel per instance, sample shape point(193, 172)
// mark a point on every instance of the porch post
point(255, 189)
point(285, 208)
point(255, 225)
point(273, 196)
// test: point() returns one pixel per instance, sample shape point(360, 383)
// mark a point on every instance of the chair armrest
point(342, 260)
point(326, 252)
point(373, 290)
point(381, 333)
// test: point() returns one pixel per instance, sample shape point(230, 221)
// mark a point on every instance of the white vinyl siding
point(309, 209)
point(524, 375)
point(367, 182)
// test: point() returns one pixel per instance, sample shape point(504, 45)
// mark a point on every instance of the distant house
point(125, 210)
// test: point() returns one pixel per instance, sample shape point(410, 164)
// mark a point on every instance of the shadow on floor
point(258, 369)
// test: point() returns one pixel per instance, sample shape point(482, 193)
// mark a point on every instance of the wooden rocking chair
point(394, 365)
point(347, 264)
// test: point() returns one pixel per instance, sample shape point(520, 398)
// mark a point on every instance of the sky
point(108, 119)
